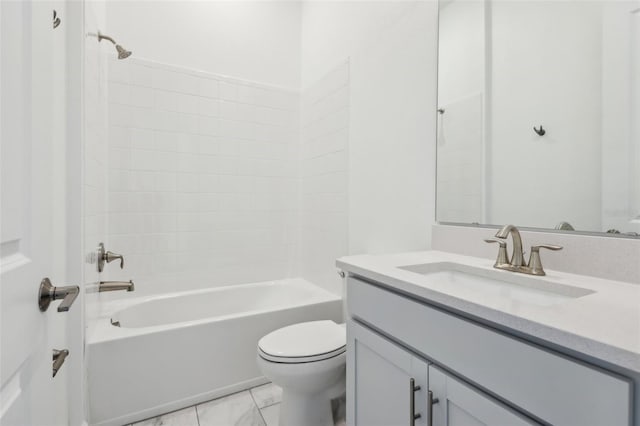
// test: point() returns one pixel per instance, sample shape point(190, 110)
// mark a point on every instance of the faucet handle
point(107, 257)
point(535, 263)
point(546, 246)
point(111, 256)
point(503, 258)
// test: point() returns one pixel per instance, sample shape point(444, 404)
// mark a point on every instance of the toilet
point(307, 360)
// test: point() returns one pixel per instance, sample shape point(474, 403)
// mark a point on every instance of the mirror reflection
point(539, 114)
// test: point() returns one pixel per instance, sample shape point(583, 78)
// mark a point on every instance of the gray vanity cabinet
point(471, 370)
point(458, 404)
point(390, 382)
point(392, 385)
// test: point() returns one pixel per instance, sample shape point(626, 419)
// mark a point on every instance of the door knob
point(48, 292)
point(58, 359)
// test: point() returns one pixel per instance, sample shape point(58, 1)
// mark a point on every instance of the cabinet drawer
point(547, 385)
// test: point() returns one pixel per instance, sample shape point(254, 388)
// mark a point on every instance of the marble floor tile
point(185, 417)
point(233, 410)
point(271, 414)
point(266, 395)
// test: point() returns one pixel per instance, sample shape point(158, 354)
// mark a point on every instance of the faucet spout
point(116, 285)
point(517, 258)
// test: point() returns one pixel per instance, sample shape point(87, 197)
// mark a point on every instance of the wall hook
point(541, 131)
point(56, 19)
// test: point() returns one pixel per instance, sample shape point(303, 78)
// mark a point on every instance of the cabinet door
point(458, 404)
point(386, 385)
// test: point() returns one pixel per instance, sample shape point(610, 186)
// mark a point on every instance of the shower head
point(122, 52)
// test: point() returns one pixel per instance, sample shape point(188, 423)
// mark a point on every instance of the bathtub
point(171, 351)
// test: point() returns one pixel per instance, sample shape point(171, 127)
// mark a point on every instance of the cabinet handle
point(431, 401)
point(412, 402)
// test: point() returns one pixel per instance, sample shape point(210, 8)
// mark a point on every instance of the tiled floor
point(259, 406)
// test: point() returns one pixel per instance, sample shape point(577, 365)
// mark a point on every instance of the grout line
point(195, 407)
point(270, 405)
point(255, 404)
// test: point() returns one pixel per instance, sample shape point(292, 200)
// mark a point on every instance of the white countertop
point(604, 325)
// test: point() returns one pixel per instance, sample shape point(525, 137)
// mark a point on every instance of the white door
point(27, 389)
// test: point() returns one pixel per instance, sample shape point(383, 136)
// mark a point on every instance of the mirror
point(539, 114)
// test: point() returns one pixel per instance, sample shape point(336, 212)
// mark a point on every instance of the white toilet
point(307, 360)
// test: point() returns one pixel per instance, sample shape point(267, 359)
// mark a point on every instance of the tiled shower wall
point(202, 177)
point(324, 180)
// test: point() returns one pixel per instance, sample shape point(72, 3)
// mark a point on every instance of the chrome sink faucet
point(516, 264)
point(517, 258)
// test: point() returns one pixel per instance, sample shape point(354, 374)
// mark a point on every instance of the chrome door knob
point(47, 293)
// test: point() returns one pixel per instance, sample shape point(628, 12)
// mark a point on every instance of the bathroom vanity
point(437, 338)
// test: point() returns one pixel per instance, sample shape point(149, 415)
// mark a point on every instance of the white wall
point(251, 40)
point(392, 136)
point(391, 50)
point(333, 30)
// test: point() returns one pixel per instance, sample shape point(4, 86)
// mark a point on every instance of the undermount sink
point(465, 279)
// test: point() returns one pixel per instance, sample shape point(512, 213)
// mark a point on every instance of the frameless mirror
point(539, 114)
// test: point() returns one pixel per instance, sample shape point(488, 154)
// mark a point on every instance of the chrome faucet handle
point(47, 293)
point(535, 263)
point(502, 261)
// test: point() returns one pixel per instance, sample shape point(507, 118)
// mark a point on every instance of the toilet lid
point(304, 342)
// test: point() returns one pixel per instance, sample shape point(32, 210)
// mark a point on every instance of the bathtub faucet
point(116, 285)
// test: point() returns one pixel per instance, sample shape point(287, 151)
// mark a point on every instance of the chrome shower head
point(122, 52)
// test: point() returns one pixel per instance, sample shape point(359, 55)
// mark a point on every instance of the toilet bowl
point(307, 360)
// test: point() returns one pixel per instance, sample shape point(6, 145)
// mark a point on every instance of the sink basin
point(467, 280)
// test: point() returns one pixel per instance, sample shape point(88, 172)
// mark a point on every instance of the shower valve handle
point(108, 257)
point(111, 256)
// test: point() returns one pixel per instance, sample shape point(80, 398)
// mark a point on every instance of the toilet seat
point(304, 342)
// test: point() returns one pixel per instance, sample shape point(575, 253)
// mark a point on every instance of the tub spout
point(116, 285)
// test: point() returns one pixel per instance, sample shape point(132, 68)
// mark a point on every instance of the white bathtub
point(176, 350)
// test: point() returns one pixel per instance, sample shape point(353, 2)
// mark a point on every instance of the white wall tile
point(202, 176)
point(208, 87)
point(323, 185)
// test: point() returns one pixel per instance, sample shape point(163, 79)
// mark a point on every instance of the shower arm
point(105, 37)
